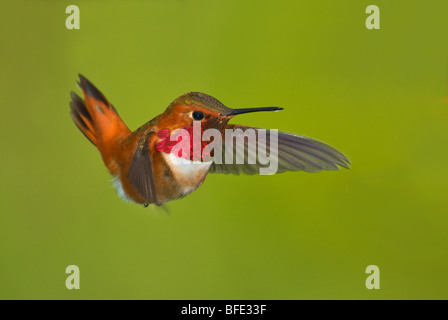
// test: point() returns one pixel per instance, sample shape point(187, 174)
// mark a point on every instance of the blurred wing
point(294, 153)
point(140, 174)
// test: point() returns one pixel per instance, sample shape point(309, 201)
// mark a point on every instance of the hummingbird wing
point(140, 174)
point(294, 153)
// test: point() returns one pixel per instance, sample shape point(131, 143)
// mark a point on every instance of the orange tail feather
point(97, 119)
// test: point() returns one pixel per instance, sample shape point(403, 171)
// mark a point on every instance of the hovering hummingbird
point(145, 169)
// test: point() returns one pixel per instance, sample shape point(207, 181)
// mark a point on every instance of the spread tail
point(95, 117)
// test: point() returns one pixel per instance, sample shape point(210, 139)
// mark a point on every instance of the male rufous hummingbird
point(142, 163)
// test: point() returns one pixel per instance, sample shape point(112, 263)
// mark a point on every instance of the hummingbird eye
point(197, 115)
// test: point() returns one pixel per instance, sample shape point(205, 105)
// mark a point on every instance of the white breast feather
point(186, 171)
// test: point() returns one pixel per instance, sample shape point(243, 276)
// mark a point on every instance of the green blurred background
point(380, 96)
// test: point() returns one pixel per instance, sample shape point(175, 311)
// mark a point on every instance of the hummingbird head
point(197, 106)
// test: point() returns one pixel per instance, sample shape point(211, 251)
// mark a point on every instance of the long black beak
point(235, 112)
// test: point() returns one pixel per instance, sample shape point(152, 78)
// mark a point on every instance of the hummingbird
point(143, 166)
